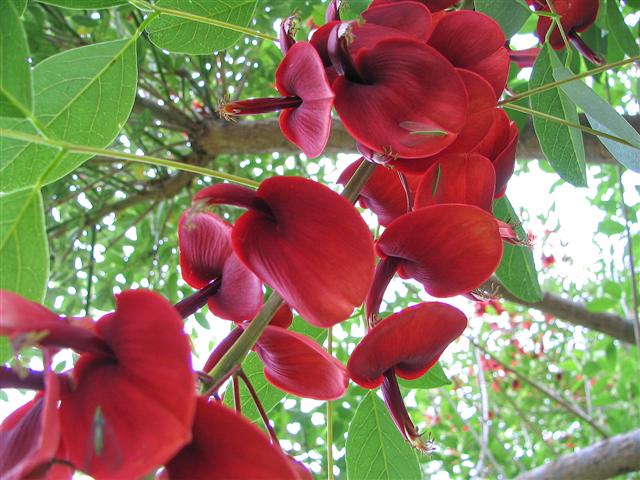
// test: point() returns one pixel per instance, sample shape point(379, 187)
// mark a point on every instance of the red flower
point(206, 255)
point(226, 445)
point(401, 97)
point(433, 5)
point(383, 193)
point(473, 41)
point(575, 16)
point(450, 248)
point(298, 365)
point(409, 342)
point(304, 240)
point(306, 102)
point(130, 411)
point(30, 436)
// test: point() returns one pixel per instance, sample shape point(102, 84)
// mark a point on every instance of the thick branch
point(263, 136)
point(572, 312)
point(606, 459)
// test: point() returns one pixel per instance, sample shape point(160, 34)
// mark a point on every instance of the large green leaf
point(24, 254)
point(186, 36)
point(375, 447)
point(620, 30)
point(517, 270)
point(82, 96)
point(562, 145)
point(16, 88)
point(434, 378)
point(84, 4)
point(511, 15)
point(605, 118)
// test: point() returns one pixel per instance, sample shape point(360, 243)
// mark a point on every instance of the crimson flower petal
point(412, 103)
point(227, 446)
point(298, 365)
point(307, 242)
point(131, 412)
point(383, 193)
point(474, 41)
point(410, 342)
point(30, 436)
point(459, 178)
point(575, 15)
point(433, 5)
point(457, 248)
point(301, 73)
point(283, 317)
point(505, 161)
point(240, 295)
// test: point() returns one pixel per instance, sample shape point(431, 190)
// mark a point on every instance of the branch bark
point(572, 312)
point(606, 459)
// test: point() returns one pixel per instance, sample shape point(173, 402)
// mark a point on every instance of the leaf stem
point(562, 121)
point(73, 148)
point(588, 73)
point(142, 4)
point(330, 416)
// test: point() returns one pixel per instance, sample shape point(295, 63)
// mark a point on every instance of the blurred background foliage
point(113, 226)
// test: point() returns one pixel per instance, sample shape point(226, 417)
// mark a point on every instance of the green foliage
point(511, 15)
point(434, 378)
point(561, 145)
point(517, 270)
point(180, 35)
point(16, 89)
point(84, 4)
point(23, 244)
point(375, 448)
point(616, 25)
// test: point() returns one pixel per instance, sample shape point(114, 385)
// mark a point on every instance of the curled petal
point(314, 249)
point(575, 15)
point(131, 413)
point(301, 73)
point(433, 5)
point(412, 103)
point(505, 161)
point(283, 317)
point(410, 342)
point(458, 178)
point(226, 445)
point(456, 37)
point(240, 294)
point(457, 248)
point(298, 365)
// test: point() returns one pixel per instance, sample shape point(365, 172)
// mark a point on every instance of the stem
point(237, 403)
point(258, 404)
point(358, 180)
point(73, 148)
point(552, 85)
point(197, 18)
point(330, 416)
point(577, 126)
point(558, 24)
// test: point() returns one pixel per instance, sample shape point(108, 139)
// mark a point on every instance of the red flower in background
point(305, 241)
point(305, 106)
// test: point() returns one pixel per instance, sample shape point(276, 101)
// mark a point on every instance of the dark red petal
point(383, 193)
point(474, 41)
point(505, 162)
point(433, 5)
point(451, 249)
point(130, 414)
point(410, 341)
point(298, 365)
point(414, 103)
point(575, 15)
point(316, 251)
point(240, 295)
point(319, 41)
point(29, 437)
point(301, 73)
point(23, 317)
point(283, 317)
point(227, 446)
point(204, 241)
point(497, 137)
point(458, 178)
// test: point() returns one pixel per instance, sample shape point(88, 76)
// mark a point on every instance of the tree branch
point(606, 459)
point(572, 312)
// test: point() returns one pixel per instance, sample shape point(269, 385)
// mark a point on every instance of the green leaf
point(179, 35)
point(511, 15)
point(434, 378)
point(620, 31)
point(82, 96)
point(24, 254)
point(6, 352)
point(605, 118)
point(16, 88)
point(561, 145)
point(517, 270)
point(375, 447)
point(610, 227)
point(21, 6)
point(84, 4)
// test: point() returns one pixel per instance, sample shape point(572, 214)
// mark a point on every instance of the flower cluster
point(417, 86)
